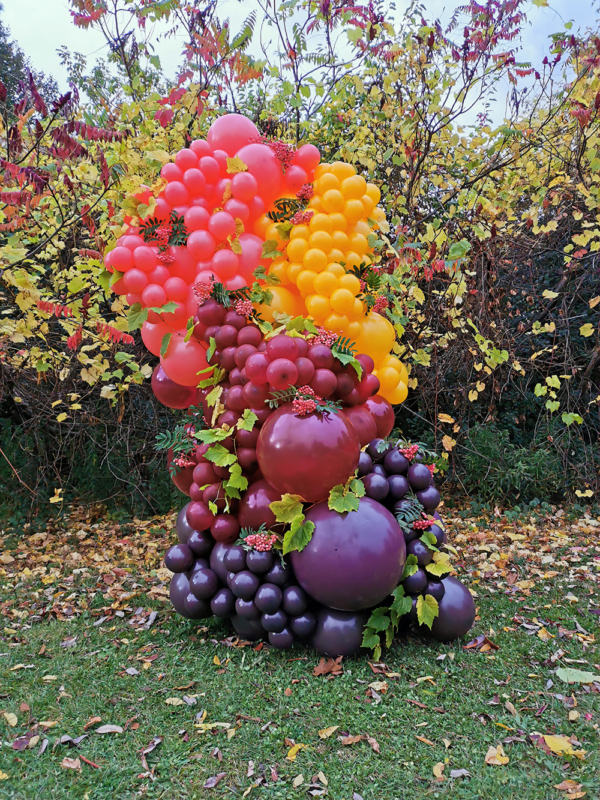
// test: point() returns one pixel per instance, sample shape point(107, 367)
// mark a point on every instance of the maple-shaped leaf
point(247, 421)
point(164, 344)
point(427, 609)
point(212, 435)
point(269, 249)
point(440, 565)
point(288, 508)
point(239, 226)
point(235, 165)
point(379, 620)
point(213, 396)
point(428, 539)
point(402, 602)
point(235, 245)
point(220, 456)
point(298, 536)
point(410, 566)
point(136, 316)
point(236, 480)
point(370, 639)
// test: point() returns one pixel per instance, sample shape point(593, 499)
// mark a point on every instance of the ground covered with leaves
point(106, 693)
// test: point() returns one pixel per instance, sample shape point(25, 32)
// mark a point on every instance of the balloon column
point(254, 281)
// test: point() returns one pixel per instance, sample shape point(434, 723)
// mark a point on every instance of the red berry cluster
point(431, 468)
point(244, 308)
point(261, 541)
point(282, 151)
point(381, 304)
point(184, 461)
point(302, 217)
point(305, 192)
point(203, 291)
point(325, 337)
point(423, 524)
point(166, 258)
point(162, 235)
point(409, 452)
point(304, 405)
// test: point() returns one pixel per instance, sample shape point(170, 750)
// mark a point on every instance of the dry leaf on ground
point(496, 756)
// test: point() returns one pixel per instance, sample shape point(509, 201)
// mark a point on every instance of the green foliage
point(344, 498)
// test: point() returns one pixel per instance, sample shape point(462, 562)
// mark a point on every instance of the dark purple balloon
point(395, 463)
point(245, 584)
point(295, 600)
point(199, 563)
point(374, 453)
point(258, 561)
point(304, 624)
point(246, 609)
point(376, 487)
point(179, 558)
point(412, 534)
point(281, 639)
point(419, 477)
point(250, 629)
point(230, 577)
point(216, 560)
point(182, 526)
point(279, 574)
point(429, 498)
point(223, 603)
point(179, 588)
point(268, 598)
point(196, 609)
point(377, 469)
point(402, 505)
point(435, 588)
point(235, 558)
point(274, 622)
point(414, 584)
point(412, 614)
point(354, 560)
point(399, 487)
point(457, 612)
point(200, 542)
point(421, 551)
point(441, 537)
point(338, 633)
point(204, 584)
point(365, 464)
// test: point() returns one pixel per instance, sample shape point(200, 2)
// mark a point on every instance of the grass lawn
point(79, 641)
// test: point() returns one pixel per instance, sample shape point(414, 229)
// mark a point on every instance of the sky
point(42, 26)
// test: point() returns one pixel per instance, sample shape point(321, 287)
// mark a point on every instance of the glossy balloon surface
point(383, 414)
point(457, 612)
point(254, 508)
point(182, 526)
point(338, 633)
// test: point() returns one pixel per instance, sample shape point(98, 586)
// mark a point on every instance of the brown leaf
point(425, 741)
point(325, 733)
point(91, 721)
point(415, 703)
point(109, 729)
point(374, 744)
point(24, 708)
point(21, 743)
point(482, 644)
point(352, 739)
point(288, 692)
point(496, 756)
point(510, 708)
point(214, 781)
point(71, 763)
point(438, 771)
point(328, 666)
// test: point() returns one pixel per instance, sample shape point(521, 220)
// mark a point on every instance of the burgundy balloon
point(429, 498)
point(249, 629)
point(307, 455)
point(281, 639)
point(244, 584)
point(421, 551)
point(235, 558)
point(395, 463)
point(211, 313)
point(183, 477)
point(441, 537)
point(169, 393)
point(179, 558)
point(223, 603)
point(274, 623)
point(225, 528)
point(199, 516)
point(204, 583)
point(457, 612)
point(200, 543)
point(199, 563)
point(268, 598)
point(182, 526)
point(295, 600)
point(414, 584)
point(376, 487)
point(259, 561)
point(303, 624)
point(363, 422)
point(419, 477)
point(377, 469)
point(354, 560)
point(247, 609)
point(338, 633)
point(254, 508)
point(278, 574)
point(179, 589)
point(216, 560)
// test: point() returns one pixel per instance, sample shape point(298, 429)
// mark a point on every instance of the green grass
point(253, 684)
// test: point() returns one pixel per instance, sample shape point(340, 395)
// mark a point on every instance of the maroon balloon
point(254, 508)
point(419, 477)
point(268, 598)
point(383, 413)
point(365, 464)
point(235, 558)
point(247, 609)
point(429, 498)
point(259, 561)
point(421, 551)
point(200, 543)
point(281, 639)
point(179, 558)
point(225, 528)
point(338, 633)
point(457, 612)
point(204, 583)
point(395, 463)
point(363, 422)
point(307, 455)
point(435, 588)
point(279, 574)
point(183, 477)
point(182, 526)
point(169, 393)
point(303, 624)
point(179, 589)
point(415, 583)
point(244, 584)
point(354, 560)
point(295, 600)
point(250, 629)
point(376, 454)
point(223, 603)
point(275, 622)
point(216, 560)
point(376, 486)
point(199, 516)
point(399, 487)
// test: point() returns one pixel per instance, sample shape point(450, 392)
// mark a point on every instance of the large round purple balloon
point(182, 526)
point(354, 560)
point(457, 612)
point(338, 633)
point(179, 588)
point(216, 560)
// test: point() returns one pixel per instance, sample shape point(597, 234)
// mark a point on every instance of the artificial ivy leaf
point(236, 480)
point(136, 316)
point(220, 456)
point(213, 507)
point(213, 397)
point(358, 487)
point(190, 329)
point(440, 564)
point(235, 245)
point(402, 602)
point(235, 165)
point(341, 500)
point(427, 609)
point(164, 344)
point(166, 309)
point(288, 508)
point(298, 536)
point(211, 348)
point(379, 620)
point(247, 421)
point(370, 639)
point(212, 435)
point(103, 280)
point(410, 566)
point(116, 276)
point(269, 249)
point(389, 635)
point(429, 539)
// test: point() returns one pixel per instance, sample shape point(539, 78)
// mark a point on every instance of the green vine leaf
point(440, 565)
point(164, 344)
point(220, 456)
point(269, 249)
point(247, 421)
point(345, 498)
point(379, 620)
point(298, 536)
point(370, 639)
point(428, 538)
point(410, 566)
point(427, 609)
point(136, 316)
point(402, 602)
point(211, 348)
point(288, 509)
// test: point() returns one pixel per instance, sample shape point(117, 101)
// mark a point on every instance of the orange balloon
point(318, 306)
point(342, 301)
point(315, 259)
point(297, 249)
point(350, 282)
point(306, 281)
point(299, 232)
point(320, 222)
point(333, 200)
point(326, 283)
point(336, 269)
point(321, 240)
point(338, 221)
point(285, 301)
point(353, 210)
point(327, 182)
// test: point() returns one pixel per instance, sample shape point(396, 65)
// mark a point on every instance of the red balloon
point(171, 172)
point(211, 169)
point(230, 132)
point(295, 177)
point(237, 209)
point(383, 414)
point(235, 283)
point(159, 275)
point(199, 516)
point(201, 245)
point(194, 181)
point(163, 209)
point(183, 477)
point(307, 157)
point(152, 336)
point(265, 167)
point(121, 259)
point(176, 289)
point(186, 159)
point(196, 219)
point(249, 259)
point(221, 225)
point(135, 280)
point(176, 193)
point(307, 455)
point(184, 266)
point(201, 147)
point(363, 423)
point(225, 263)
point(184, 360)
point(132, 241)
point(144, 258)
point(154, 296)
point(244, 186)
point(254, 508)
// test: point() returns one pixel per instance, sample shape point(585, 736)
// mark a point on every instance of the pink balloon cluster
point(213, 202)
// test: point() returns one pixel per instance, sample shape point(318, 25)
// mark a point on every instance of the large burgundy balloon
point(383, 414)
point(338, 633)
point(354, 560)
point(169, 393)
point(419, 477)
point(254, 508)
point(457, 612)
point(250, 629)
point(363, 422)
point(307, 455)
point(231, 132)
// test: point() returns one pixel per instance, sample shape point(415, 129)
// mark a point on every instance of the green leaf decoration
point(164, 344)
point(136, 316)
point(345, 353)
point(370, 639)
point(402, 602)
point(440, 565)
point(427, 609)
point(189, 329)
point(429, 539)
point(379, 620)
point(285, 208)
point(115, 276)
point(410, 566)
point(358, 487)
point(247, 421)
point(288, 508)
point(236, 480)
point(342, 500)
point(389, 634)
point(212, 398)
point(212, 435)
point(220, 456)
point(298, 536)
point(261, 274)
point(213, 507)
point(211, 348)
point(269, 249)
point(103, 280)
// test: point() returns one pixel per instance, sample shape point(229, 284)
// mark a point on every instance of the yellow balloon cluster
point(314, 282)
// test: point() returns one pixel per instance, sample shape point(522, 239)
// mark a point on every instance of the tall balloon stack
point(253, 278)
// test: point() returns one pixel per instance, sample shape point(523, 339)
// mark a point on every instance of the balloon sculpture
point(253, 279)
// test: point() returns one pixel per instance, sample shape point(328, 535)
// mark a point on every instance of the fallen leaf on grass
point(557, 744)
point(328, 666)
point(294, 750)
point(325, 733)
point(347, 740)
point(3, 776)
point(438, 771)
point(298, 781)
point(148, 749)
point(48, 723)
point(544, 635)
point(214, 781)
point(20, 744)
point(496, 756)
point(379, 686)
point(91, 721)
point(572, 789)
point(425, 741)
point(174, 701)
point(288, 692)
point(460, 773)
point(49, 678)
point(10, 718)
point(569, 675)
point(481, 644)
point(109, 729)
point(71, 763)
point(510, 708)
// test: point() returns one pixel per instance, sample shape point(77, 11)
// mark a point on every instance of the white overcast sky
point(42, 26)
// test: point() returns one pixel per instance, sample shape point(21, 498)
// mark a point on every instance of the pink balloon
point(211, 169)
point(196, 219)
point(207, 276)
point(132, 298)
point(159, 275)
point(144, 257)
point(201, 202)
point(307, 157)
point(295, 177)
point(201, 147)
point(235, 283)
point(154, 296)
point(152, 335)
point(131, 241)
point(176, 289)
point(171, 172)
point(175, 319)
point(230, 132)
point(186, 159)
point(244, 186)
point(194, 181)
point(209, 194)
point(176, 193)
point(250, 257)
point(121, 259)
point(237, 209)
point(221, 157)
point(257, 208)
point(201, 245)
point(135, 280)
point(184, 360)
point(119, 287)
point(225, 263)
point(220, 190)
point(266, 169)
point(108, 262)
point(221, 225)
point(169, 393)
point(191, 302)
point(202, 265)
point(184, 266)
point(163, 209)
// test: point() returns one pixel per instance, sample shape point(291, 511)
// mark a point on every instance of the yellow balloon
point(306, 281)
point(299, 232)
point(352, 259)
point(327, 182)
point(321, 240)
point(368, 205)
point(340, 241)
point(350, 282)
point(397, 395)
point(353, 210)
point(333, 200)
point(388, 378)
point(403, 372)
point(334, 256)
point(315, 259)
point(390, 361)
point(294, 269)
point(285, 301)
point(338, 221)
point(357, 310)
point(326, 283)
point(354, 330)
point(354, 187)
point(318, 306)
point(279, 269)
point(372, 191)
point(376, 338)
point(336, 269)
point(359, 244)
point(342, 301)
point(363, 228)
point(261, 225)
point(321, 169)
point(338, 323)
point(315, 204)
point(342, 170)
point(320, 222)
point(297, 249)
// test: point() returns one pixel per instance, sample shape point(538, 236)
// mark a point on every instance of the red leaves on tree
point(91, 254)
point(92, 134)
point(38, 101)
point(15, 198)
point(104, 170)
point(113, 334)
point(74, 340)
point(3, 93)
point(57, 309)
